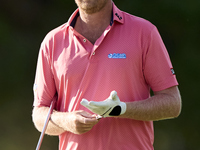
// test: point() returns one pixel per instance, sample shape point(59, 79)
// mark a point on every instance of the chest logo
point(117, 56)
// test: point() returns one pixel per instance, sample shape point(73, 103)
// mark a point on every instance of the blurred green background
point(23, 25)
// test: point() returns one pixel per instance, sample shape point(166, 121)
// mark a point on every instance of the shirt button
point(93, 53)
point(84, 40)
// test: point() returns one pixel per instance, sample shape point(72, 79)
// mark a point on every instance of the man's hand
point(110, 107)
point(79, 122)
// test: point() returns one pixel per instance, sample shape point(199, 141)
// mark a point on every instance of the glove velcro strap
point(118, 110)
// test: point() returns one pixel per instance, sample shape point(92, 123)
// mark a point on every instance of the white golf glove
point(112, 106)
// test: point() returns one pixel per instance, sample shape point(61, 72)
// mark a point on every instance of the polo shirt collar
point(116, 16)
point(73, 18)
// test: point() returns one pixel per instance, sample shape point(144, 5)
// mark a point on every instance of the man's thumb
point(113, 95)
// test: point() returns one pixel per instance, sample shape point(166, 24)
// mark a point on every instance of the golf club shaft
point(45, 125)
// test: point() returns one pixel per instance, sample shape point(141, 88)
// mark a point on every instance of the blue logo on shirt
point(117, 56)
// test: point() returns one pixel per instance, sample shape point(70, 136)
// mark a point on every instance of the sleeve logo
point(173, 72)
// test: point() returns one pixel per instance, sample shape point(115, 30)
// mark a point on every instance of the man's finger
point(98, 104)
point(87, 118)
point(86, 114)
point(113, 95)
point(84, 102)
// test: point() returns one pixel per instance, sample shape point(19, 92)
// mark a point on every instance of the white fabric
point(104, 108)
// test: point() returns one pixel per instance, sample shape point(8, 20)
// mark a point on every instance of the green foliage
point(23, 25)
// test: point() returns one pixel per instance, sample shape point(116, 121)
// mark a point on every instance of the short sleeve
point(44, 85)
point(158, 70)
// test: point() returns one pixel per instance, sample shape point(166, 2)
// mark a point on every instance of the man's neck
point(93, 25)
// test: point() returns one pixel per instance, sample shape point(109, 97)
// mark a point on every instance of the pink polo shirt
point(129, 57)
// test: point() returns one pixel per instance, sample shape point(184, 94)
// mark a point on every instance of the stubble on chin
point(90, 7)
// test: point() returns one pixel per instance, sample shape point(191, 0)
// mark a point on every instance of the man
point(101, 49)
